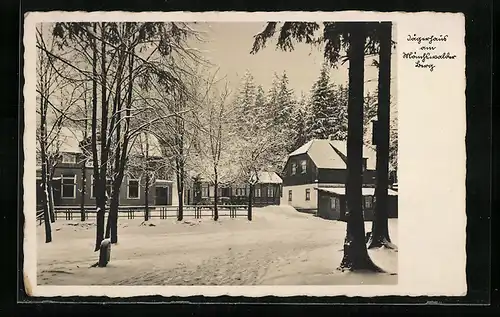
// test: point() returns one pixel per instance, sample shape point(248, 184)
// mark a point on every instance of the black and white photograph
point(218, 153)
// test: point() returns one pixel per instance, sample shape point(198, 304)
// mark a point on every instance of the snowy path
point(280, 246)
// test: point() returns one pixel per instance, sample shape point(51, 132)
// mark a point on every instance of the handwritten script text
point(426, 56)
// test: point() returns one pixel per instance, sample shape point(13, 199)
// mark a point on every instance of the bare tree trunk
point(84, 148)
point(101, 182)
point(250, 196)
point(43, 154)
point(146, 199)
point(355, 253)
point(146, 188)
point(108, 223)
point(115, 124)
point(216, 196)
point(46, 217)
point(45, 200)
point(121, 153)
point(380, 229)
point(50, 190)
point(112, 224)
point(83, 184)
point(180, 192)
point(113, 214)
point(93, 126)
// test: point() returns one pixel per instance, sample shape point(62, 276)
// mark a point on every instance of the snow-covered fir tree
point(299, 121)
point(281, 104)
point(260, 99)
point(256, 140)
point(328, 109)
point(247, 93)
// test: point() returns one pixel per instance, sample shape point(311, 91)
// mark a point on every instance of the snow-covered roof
point(303, 149)
point(163, 182)
point(139, 145)
point(269, 178)
point(365, 191)
point(332, 154)
point(69, 140)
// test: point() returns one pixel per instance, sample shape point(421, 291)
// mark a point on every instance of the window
point(368, 202)
point(333, 203)
point(109, 185)
point(308, 194)
point(294, 168)
point(133, 189)
point(290, 195)
point(303, 166)
point(68, 186)
point(257, 192)
point(68, 158)
point(270, 191)
point(204, 192)
point(241, 191)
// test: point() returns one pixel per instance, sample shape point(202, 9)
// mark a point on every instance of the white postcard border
point(431, 108)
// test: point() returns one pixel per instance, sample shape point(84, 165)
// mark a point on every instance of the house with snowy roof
point(267, 191)
point(314, 179)
point(72, 163)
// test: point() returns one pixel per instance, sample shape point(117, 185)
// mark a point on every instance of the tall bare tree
point(213, 158)
point(128, 61)
point(51, 117)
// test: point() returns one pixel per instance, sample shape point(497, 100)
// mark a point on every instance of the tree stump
point(104, 253)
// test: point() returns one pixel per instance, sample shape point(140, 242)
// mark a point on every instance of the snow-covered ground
point(279, 247)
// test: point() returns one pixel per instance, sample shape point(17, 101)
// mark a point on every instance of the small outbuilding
point(332, 203)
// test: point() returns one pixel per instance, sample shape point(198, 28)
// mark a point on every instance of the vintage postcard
point(244, 154)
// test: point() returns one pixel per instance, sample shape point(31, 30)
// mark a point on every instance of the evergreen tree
point(247, 93)
point(260, 99)
point(285, 102)
point(328, 109)
point(299, 123)
point(280, 109)
point(339, 111)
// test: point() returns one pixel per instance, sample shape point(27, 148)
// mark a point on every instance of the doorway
point(161, 196)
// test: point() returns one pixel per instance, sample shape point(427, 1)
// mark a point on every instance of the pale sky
point(227, 45)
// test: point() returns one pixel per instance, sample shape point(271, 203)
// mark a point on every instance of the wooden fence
point(162, 212)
